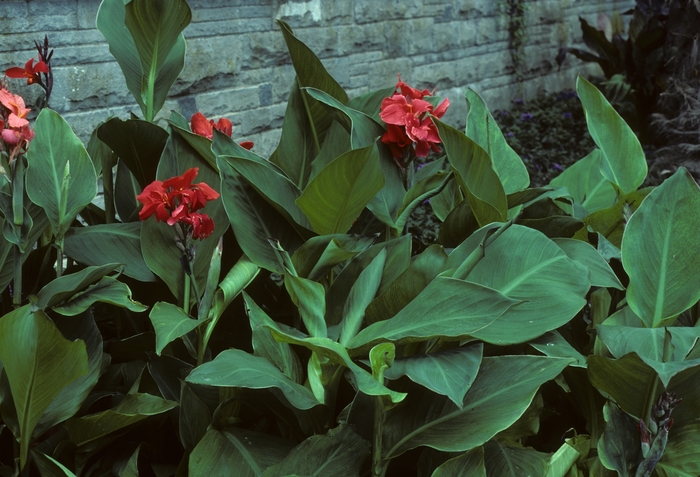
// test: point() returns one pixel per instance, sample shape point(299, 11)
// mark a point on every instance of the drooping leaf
point(319, 254)
point(364, 130)
point(503, 389)
point(600, 273)
point(553, 344)
point(138, 143)
point(236, 368)
point(339, 452)
point(659, 251)
point(60, 175)
point(334, 199)
point(623, 161)
point(170, 323)
point(132, 409)
point(447, 307)
point(483, 129)
point(107, 290)
point(60, 289)
point(475, 175)
point(109, 243)
point(450, 373)
point(39, 363)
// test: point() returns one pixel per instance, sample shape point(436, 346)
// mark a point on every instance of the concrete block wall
point(237, 64)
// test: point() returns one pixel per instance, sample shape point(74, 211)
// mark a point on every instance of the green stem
point(108, 190)
point(59, 258)
point(378, 465)
point(17, 283)
point(186, 295)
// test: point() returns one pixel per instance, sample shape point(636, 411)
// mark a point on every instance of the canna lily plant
point(274, 318)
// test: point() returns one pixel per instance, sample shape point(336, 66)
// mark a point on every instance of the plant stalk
point(378, 465)
point(17, 281)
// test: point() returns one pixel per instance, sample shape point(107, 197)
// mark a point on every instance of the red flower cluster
point(30, 71)
point(14, 125)
point(177, 200)
point(205, 127)
point(407, 116)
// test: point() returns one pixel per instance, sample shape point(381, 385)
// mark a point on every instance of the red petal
point(442, 108)
point(15, 72)
point(247, 145)
point(225, 126)
point(394, 110)
point(182, 182)
point(201, 126)
point(41, 67)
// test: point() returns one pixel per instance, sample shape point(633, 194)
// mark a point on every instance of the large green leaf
point(553, 344)
point(470, 463)
point(60, 175)
point(339, 452)
point(363, 130)
point(236, 452)
point(132, 409)
point(503, 390)
point(311, 73)
point(145, 38)
point(296, 149)
point(107, 290)
point(370, 103)
point(138, 143)
point(511, 460)
point(310, 298)
point(619, 447)
point(483, 129)
point(39, 363)
point(682, 455)
point(610, 223)
point(321, 253)
point(170, 323)
point(659, 250)
point(110, 243)
point(475, 175)
point(447, 307)
point(423, 190)
point(528, 267)
point(254, 220)
point(334, 199)
point(623, 161)
point(60, 289)
point(586, 184)
point(49, 466)
point(450, 373)
point(236, 368)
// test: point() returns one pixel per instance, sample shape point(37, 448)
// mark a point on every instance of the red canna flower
point(30, 71)
point(14, 126)
point(409, 125)
point(205, 127)
point(177, 200)
point(17, 116)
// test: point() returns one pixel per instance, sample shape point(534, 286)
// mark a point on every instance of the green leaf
point(170, 323)
point(296, 149)
point(61, 289)
point(511, 460)
point(107, 290)
point(450, 373)
point(628, 380)
point(623, 161)
point(554, 345)
point(319, 254)
point(129, 468)
point(419, 193)
point(110, 243)
point(475, 175)
point(566, 456)
point(254, 220)
point(235, 452)
point(236, 368)
point(599, 272)
point(658, 250)
point(334, 199)
point(179, 125)
point(48, 466)
point(361, 294)
point(138, 143)
point(586, 184)
point(339, 452)
point(156, 27)
point(280, 354)
point(363, 130)
point(619, 447)
point(422, 270)
point(370, 103)
point(132, 409)
point(447, 307)
point(503, 390)
point(311, 73)
point(126, 188)
point(681, 457)
point(39, 363)
point(526, 266)
point(470, 463)
point(194, 418)
point(310, 298)
point(610, 223)
point(60, 175)
point(483, 129)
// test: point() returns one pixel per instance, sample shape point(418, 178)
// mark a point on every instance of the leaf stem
point(378, 465)
point(17, 283)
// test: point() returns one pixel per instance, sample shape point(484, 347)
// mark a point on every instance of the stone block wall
point(237, 64)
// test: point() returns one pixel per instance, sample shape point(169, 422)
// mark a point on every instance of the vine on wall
point(514, 10)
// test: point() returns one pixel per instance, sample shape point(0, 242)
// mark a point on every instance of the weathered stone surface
point(238, 66)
